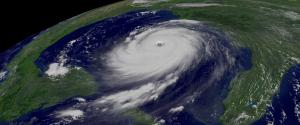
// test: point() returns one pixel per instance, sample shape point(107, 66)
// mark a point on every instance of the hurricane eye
point(159, 43)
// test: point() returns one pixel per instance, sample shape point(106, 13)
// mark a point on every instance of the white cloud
point(71, 113)
point(81, 100)
point(57, 70)
point(67, 116)
point(3, 74)
point(186, 5)
point(292, 15)
point(241, 117)
point(160, 122)
point(136, 97)
point(141, 58)
point(176, 109)
point(147, 1)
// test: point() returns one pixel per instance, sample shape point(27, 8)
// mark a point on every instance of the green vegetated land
point(270, 28)
point(139, 117)
point(25, 90)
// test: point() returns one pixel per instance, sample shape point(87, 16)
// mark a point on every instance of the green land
point(25, 90)
point(270, 28)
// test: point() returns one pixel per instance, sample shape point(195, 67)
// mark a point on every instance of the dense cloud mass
point(155, 52)
point(153, 58)
point(146, 60)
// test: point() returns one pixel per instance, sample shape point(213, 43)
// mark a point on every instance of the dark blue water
point(208, 81)
point(208, 88)
point(92, 39)
point(98, 38)
point(286, 103)
point(9, 54)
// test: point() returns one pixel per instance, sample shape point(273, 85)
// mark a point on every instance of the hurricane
point(153, 58)
point(156, 52)
point(151, 61)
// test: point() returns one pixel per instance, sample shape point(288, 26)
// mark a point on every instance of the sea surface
point(285, 107)
point(81, 47)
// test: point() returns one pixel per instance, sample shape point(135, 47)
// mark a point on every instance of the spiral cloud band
point(147, 60)
point(155, 52)
point(153, 57)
